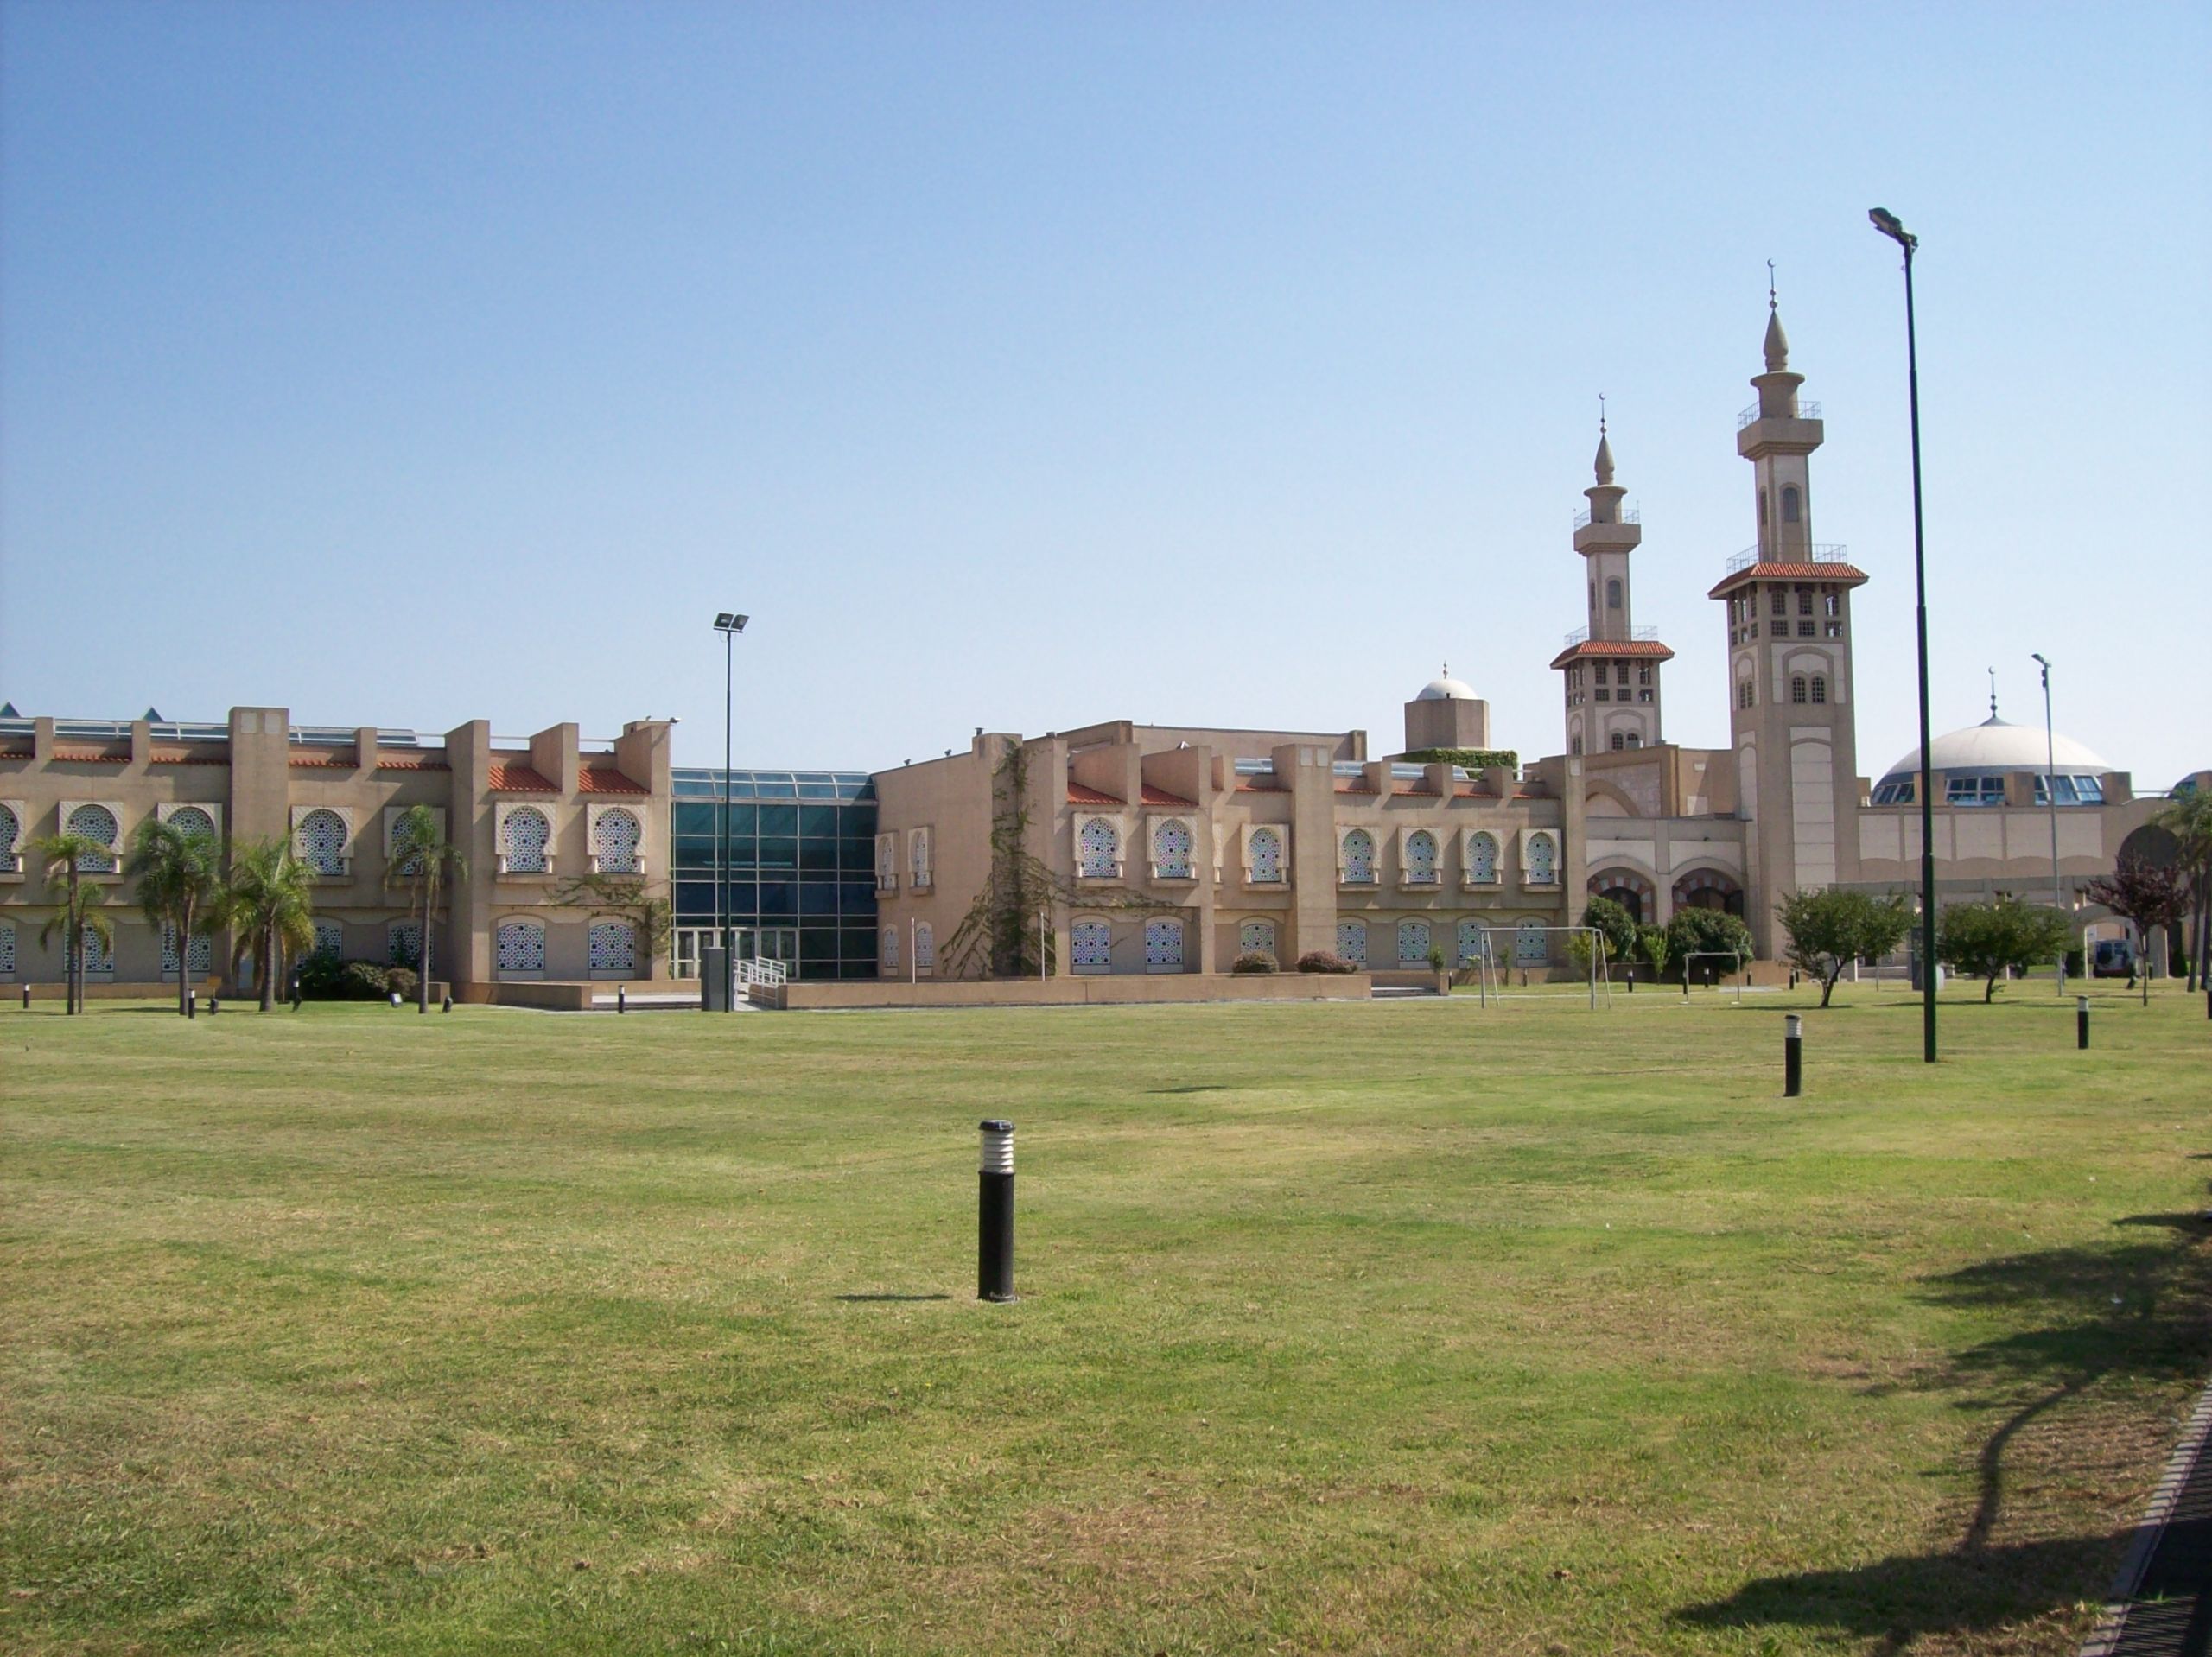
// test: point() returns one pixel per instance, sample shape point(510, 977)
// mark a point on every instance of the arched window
point(1543, 861)
point(614, 840)
point(10, 832)
point(925, 946)
point(523, 838)
point(329, 939)
point(1619, 741)
point(96, 823)
point(319, 841)
point(613, 947)
point(1746, 695)
point(403, 944)
point(1351, 942)
point(1359, 857)
point(886, 863)
point(1789, 503)
point(1612, 595)
point(1482, 858)
point(1100, 847)
point(886, 953)
point(1257, 937)
point(1797, 690)
point(191, 820)
point(520, 949)
point(1266, 848)
point(99, 954)
point(918, 856)
point(1163, 945)
point(200, 958)
point(1421, 858)
point(1413, 943)
point(1578, 744)
point(1471, 942)
point(1820, 687)
point(1635, 740)
point(6, 948)
point(1171, 851)
point(1090, 946)
point(1531, 948)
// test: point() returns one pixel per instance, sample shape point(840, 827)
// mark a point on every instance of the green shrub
point(1709, 932)
point(402, 981)
point(1255, 961)
point(318, 975)
point(1468, 759)
point(1323, 960)
point(361, 980)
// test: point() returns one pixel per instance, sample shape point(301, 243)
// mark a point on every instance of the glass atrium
point(802, 869)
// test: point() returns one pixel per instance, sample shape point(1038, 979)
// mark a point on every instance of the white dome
point(1444, 687)
point(1994, 745)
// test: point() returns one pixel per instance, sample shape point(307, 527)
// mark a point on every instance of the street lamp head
point(728, 622)
point(1886, 222)
point(2037, 655)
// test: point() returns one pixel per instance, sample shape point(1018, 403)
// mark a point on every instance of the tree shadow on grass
point(2125, 1311)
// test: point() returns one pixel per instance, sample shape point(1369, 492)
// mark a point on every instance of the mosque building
point(1138, 850)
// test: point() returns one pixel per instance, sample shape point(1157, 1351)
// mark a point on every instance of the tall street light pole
point(2051, 794)
point(729, 625)
point(1886, 222)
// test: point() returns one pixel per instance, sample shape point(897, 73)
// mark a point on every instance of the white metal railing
point(1806, 410)
point(769, 974)
point(1583, 520)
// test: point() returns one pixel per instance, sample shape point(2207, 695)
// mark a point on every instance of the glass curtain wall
point(801, 868)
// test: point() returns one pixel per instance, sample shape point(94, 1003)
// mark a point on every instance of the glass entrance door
point(770, 943)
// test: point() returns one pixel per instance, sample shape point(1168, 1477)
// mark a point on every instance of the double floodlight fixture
point(727, 623)
point(1886, 222)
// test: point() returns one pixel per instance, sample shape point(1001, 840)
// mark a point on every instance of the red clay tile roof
point(323, 762)
point(188, 757)
point(1253, 785)
point(1152, 796)
point(605, 779)
point(1080, 795)
point(1849, 575)
point(1355, 788)
point(410, 762)
point(1646, 647)
point(517, 779)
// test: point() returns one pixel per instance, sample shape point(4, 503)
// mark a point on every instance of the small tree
point(179, 873)
point(1615, 924)
point(1985, 940)
point(2188, 818)
point(1708, 932)
point(65, 856)
point(422, 857)
point(1657, 947)
point(2145, 894)
point(270, 901)
point(1830, 928)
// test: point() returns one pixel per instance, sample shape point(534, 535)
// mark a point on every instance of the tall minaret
point(1790, 666)
point(1612, 676)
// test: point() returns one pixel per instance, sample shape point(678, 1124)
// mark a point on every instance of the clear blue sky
point(1027, 366)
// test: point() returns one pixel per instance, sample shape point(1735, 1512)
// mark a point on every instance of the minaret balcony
point(1634, 515)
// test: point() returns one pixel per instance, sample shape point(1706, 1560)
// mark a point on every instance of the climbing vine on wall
point(999, 935)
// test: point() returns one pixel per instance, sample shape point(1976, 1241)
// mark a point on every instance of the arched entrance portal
point(1631, 890)
point(1709, 889)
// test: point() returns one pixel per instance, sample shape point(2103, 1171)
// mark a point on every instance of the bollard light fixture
point(994, 1212)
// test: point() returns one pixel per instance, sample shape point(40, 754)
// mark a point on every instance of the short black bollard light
point(214, 1004)
point(995, 1213)
point(1793, 1057)
point(621, 1000)
point(2081, 1021)
point(1631, 981)
point(191, 1004)
point(448, 1007)
point(26, 998)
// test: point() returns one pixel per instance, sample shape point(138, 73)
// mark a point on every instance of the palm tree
point(422, 856)
point(2187, 818)
point(178, 872)
point(269, 901)
point(67, 855)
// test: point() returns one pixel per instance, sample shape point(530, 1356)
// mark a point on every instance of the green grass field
point(1404, 1327)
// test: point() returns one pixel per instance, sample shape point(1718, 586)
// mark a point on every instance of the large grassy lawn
point(1405, 1327)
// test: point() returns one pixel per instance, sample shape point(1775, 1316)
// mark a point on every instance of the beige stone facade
point(528, 817)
